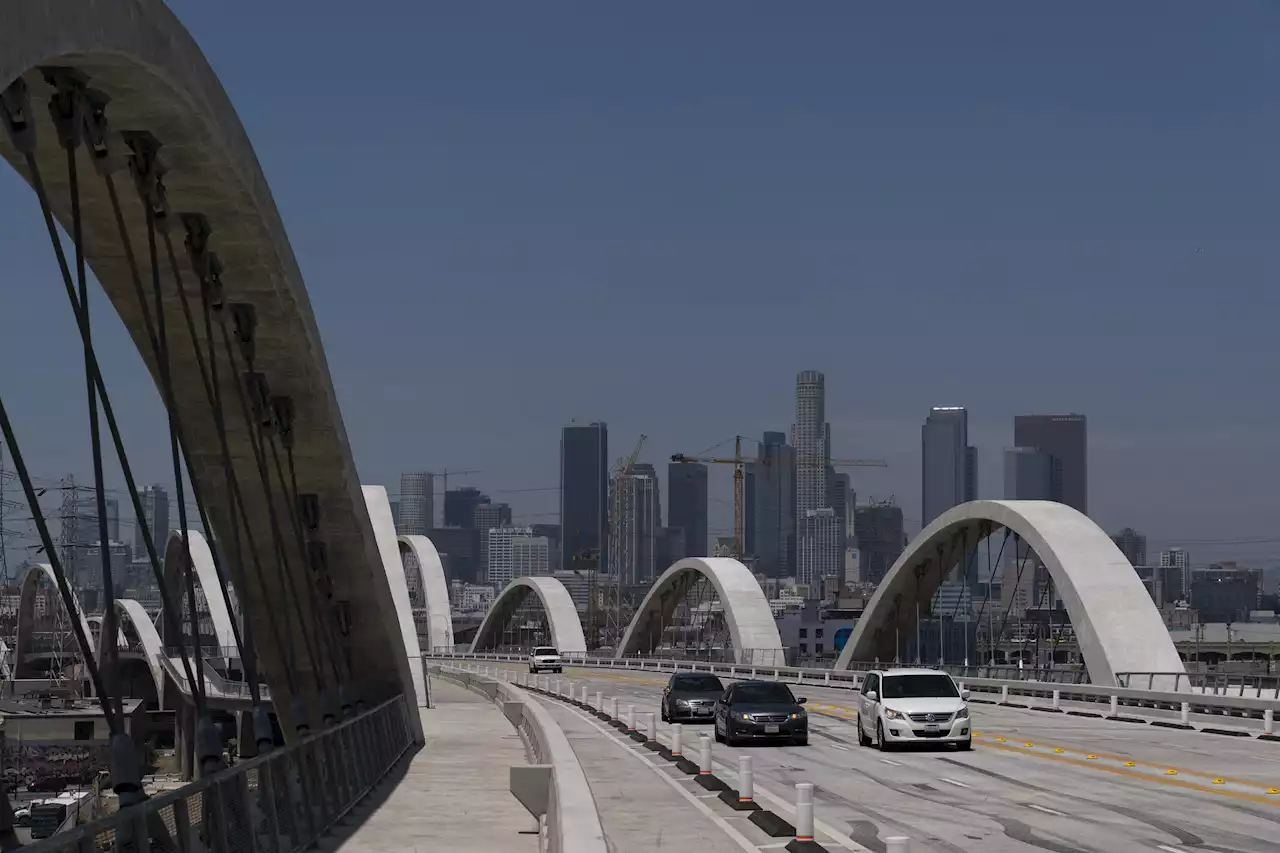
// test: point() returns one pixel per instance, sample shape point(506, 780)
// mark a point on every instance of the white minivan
point(544, 659)
point(912, 706)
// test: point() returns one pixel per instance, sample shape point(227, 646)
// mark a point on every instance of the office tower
point(515, 552)
point(460, 549)
point(949, 466)
point(1065, 439)
point(552, 533)
point(1133, 545)
point(687, 505)
point(634, 554)
point(460, 505)
point(395, 513)
point(1179, 561)
point(485, 517)
point(584, 490)
point(155, 510)
point(775, 506)
point(817, 538)
point(417, 503)
point(879, 533)
point(840, 497)
point(1028, 474)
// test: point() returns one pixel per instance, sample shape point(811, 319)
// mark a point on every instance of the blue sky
point(510, 214)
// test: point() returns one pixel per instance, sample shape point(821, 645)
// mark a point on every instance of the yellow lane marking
point(1180, 783)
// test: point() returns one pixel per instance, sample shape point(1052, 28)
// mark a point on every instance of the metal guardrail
point(280, 802)
point(220, 684)
point(1211, 683)
point(572, 822)
point(1160, 693)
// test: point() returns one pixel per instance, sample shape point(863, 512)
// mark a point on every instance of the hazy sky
point(510, 214)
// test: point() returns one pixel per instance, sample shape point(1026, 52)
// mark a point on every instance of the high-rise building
point(1065, 439)
point(515, 552)
point(486, 516)
point(417, 503)
point(1180, 561)
point(1028, 474)
point(460, 505)
point(841, 498)
point(879, 532)
point(634, 554)
point(687, 505)
point(949, 466)
point(460, 549)
point(818, 553)
point(584, 490)
point(775, 506)
point(1133, 545)
point(552, 533)
point(155, 510)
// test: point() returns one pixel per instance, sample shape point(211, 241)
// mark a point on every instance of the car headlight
point(746, 717)
point(798, 715)
point(682, 703)
point(890, 714)
point(962, 714)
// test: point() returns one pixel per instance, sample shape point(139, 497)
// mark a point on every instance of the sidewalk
point(453, 795)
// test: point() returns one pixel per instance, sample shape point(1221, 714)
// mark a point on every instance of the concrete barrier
point(572, 823)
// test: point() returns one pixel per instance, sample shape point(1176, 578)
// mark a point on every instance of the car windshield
point(545, 650)
point(770, 693)
point(701, 683)
point(918, 686)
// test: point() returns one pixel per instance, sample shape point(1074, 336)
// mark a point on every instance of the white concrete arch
point(1117, 625)
point(138, 54)
point(26, 615)
point(135, 614)
point(746, 610)
point(384, 528)
point(557, 604)
point(435, 590)
point(206, 578)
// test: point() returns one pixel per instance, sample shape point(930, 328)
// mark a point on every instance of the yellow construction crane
point(739, 482)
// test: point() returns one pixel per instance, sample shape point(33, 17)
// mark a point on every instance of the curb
point(1227, 732)
point(773, 825)
point(1166, 724)
point(1139, 720)
point(730, 799)
point(712, 783)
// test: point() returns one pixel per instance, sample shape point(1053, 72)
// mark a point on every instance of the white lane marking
point(887, 761)
point(954, 782)
point(1168, 849)
point(1050, 811)
point(839, 747)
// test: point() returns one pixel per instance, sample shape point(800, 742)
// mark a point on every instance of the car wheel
point(880, 741)
point(863, 740)
point(965, 745)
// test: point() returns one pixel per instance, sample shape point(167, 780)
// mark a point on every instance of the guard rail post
point(804, 811)
point(1004, 694)
point(677, 735)
point(746, 780)
point(631, 719)
point(613, 707)
point(704, 755)
point(1268, 722)
point(599, 701)
point(1186, 713)
point(1115, 706)
point(1057, 700)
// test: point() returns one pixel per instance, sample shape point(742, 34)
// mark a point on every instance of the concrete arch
point(1116, 623)
point(27, 615)
point(384, 527)
point(135, 614)
point(138, 54)
point(206, 580)
point(435, 590)
point(746, 610)
point(562, 615)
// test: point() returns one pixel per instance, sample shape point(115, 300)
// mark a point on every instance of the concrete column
point(184, 739)
point(246, 743)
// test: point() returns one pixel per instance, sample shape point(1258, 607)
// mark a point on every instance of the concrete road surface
point(1060, 783)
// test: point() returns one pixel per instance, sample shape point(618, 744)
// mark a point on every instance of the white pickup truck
point(544, 659)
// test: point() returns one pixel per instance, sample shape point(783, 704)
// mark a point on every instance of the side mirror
point(801, 700)
point(873, 696)
point(964, 694)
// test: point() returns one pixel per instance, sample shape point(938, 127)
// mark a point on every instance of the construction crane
point(444, 473)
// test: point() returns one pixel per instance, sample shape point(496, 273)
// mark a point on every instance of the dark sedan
point(761, 711)
point(691, 696)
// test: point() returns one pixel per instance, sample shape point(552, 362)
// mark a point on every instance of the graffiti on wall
point(33, 762)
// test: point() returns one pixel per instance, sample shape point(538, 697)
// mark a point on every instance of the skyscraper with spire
point(817, 532)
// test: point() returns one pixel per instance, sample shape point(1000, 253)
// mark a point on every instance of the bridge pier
point(246, 741)
point(184, 739)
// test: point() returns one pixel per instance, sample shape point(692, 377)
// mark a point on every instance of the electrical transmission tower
point(68, 527)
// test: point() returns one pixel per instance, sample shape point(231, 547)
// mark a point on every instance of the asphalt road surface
point(1059, 783)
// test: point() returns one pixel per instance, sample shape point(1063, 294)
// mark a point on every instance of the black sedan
point(761, 711)
point(690, 696)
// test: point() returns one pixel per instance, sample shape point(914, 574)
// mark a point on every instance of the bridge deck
point(453, 795)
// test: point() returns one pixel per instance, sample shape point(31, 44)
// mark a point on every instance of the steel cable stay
point(1017, 583)
point(984, 530)
point(991, 577)
point(15, 111)
point(945, 569)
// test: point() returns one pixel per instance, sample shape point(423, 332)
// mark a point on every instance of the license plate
point(933, 727)
point(705, 712)
point(771, 730)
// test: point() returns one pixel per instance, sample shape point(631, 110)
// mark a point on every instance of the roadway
point(1060, 783)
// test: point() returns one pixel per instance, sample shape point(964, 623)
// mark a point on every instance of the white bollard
point(1004, 694)
point(555, 687)
point(631, 718)
point(704, 755)
point(804, 811)
point(613, 707)
point(650, 729)
point(585, 700)
point(897, 844)
point(746, 780)
point(677, 735)
point(1268, 722)
point(1115, 706)
point(1186, 713)
point(1057, 700)
point(599, 701)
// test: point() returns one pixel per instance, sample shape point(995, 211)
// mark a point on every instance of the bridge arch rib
point(206, 580)
point(139, 55)
point(435, 590)
point(751, 626)
point(1117, 625)
point(557, 604)
point(27, 617)
point(132, 612)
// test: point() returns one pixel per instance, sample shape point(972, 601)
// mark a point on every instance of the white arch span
point(135, 614)
point(1117, 625)
point(384, 531)
point(27, 615)
point(751, 626)
point(562, 615)
point(206, 577)
point(435, 589)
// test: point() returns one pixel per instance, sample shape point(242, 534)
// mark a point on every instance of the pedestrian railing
point(280, 802)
